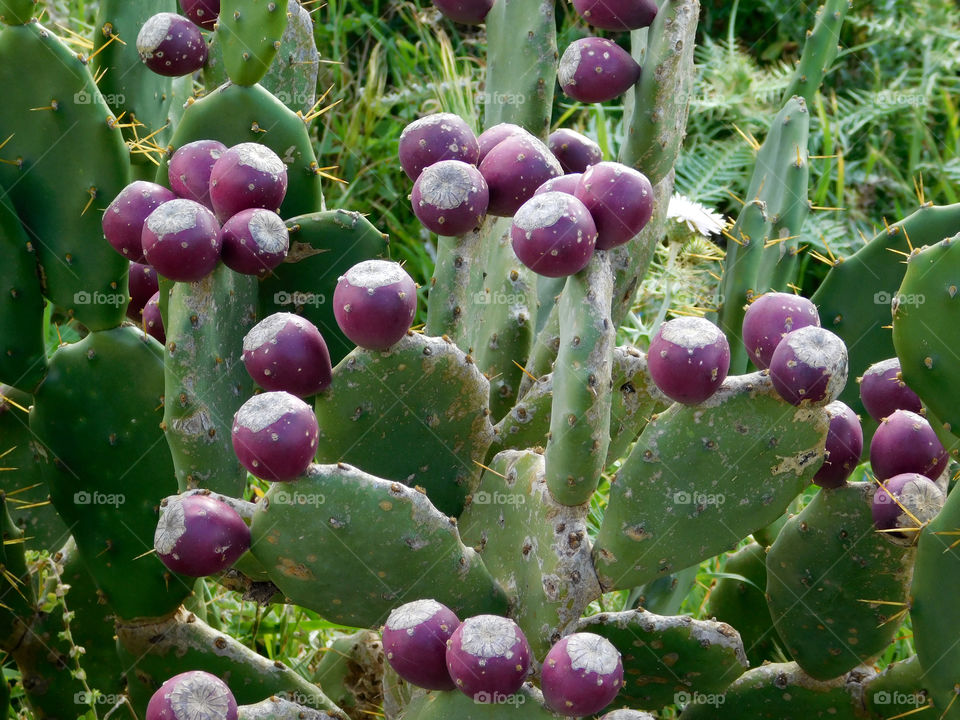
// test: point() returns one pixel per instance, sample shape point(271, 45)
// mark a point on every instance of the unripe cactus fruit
point(495, 135)
point(574, 152)
point(199, 536)
point(619, 198)
point(565, 184)
point(488, 657)
point(441, 136)
point(255, 241)
point(514, 169)
point(181, 240)
point(248, 175)
point(374, 303)
point(124, 217)
point(190, 167)
point(596, 70)
point(415, 643)
point(769, 318)
point(582, 674)
point(450, 197)
point(171, 45)
point(843, 446)
point(688, 359)
point(275, 436)
point(143, 285)
point(882, 390)
point(285, 352)
point(617, 14)
point(468, 12)
point(152, 320)
point(553, 234)
point(907, 500)
point(906, 443)
point(194, 695)
point(203, 13)
point(809, 364)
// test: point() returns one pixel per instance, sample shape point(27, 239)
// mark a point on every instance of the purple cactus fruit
point(143, 284)
point(843, 447)
point(194, 695)
point(514, 169)
point(620, 200)
point(124, 217)
point(769, 318)
point(203, 13)
point(286, 352)
point(903, 496)
point(248, 175)
point(415, 643)
point(275, 436)
point(199, 535)
point(495, 135)
point(441, 136)
point(882, 390)
point(595, 69)
point(190, 167)
point(565, 184)
point(553, 234)
point(171, 45)
point(468, 12)
point(809, 364)
point(906, 443)
point(450, 197)
point(181, 240)
point(688, 359)
point(255, 241)
point(574, 152)
point(617, 14)
point(152, 320)
point(582, 674)
point(374, 303)
point(488, 658)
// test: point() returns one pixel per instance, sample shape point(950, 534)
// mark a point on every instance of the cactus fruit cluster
point(506, 464)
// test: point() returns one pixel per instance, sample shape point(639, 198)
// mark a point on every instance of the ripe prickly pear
point(620, 200)
point(415, 643)
point(255, 241)
point(809, 364)
point(203, 13)
point(152, 320)
point(596, 70)
point(285, 352)
point(275, 436)
point(617, 14)
point(194, 695)
point(374, 303)
point(843, 446)
point(450, 197)
point(171, 45)
point(882, 390)
point(905, 500)
point(553, 234)
point(688, 359)
point(124, 217)
point(143, 285)
point(488, 657)
point(565, 184)
point(181, 240)
point(769, 318)
point(491, 137)
point(574, 152)
point(582, 674)
point(441, 136)
point(248, 175)
point(906, 443)
point(468, 12)
point(190, 167)
point(514, 169)
point(199, 535)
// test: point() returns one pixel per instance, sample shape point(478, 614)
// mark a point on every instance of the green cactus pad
point(416, 414)
point(236, 114)
point(635, 398)
point(901, 688)
point(352, 547)
point(323, 246)
point(17, 12)
point(665, 595)
point(527, 704)
point(819, 51)
point(703, 477)
point(667, 656)
point(205, 381)
point(107, 465)
point(250, 34)
point(292, 77)
point(535, 547)
point(527, 425)
point(63, 144)
point(824, 568)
